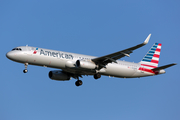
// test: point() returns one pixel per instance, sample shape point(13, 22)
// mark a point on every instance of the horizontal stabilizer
point(164, 67)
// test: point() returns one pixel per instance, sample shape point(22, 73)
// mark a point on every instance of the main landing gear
point(25, 70)
point(78, 83)
point(97, 76)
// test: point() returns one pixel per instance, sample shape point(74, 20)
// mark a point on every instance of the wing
point(104, 60)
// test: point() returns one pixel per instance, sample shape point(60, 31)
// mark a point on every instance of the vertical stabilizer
point(151, 59)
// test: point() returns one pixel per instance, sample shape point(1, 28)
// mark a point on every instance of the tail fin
point(151, 59)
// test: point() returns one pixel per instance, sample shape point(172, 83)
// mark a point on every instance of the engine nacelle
point(70, 64)
point(85, 64)
point(58, 75)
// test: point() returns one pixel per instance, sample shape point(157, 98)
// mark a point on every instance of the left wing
point(104, 60)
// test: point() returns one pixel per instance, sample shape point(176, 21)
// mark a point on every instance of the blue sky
point(96, 27)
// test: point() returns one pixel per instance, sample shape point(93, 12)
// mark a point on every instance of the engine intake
point(85, 64)
point(59, 75)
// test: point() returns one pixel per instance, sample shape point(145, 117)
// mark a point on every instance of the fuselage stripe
point(149, 65)
point(147, 70)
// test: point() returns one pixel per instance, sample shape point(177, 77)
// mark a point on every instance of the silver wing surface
point(104, 60)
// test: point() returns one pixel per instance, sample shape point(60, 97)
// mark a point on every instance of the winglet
point(147, 39)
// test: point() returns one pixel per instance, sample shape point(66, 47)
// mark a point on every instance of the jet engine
point(59, 75)
point(70, 64)
point(85, 64)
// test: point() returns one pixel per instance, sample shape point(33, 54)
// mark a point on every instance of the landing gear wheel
point(78, 83)
point(25, 70)
point(97, 76)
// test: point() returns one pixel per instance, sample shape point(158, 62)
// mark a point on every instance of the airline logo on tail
point(151, 59)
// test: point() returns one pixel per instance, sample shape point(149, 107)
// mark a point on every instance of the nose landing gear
point(25, 70)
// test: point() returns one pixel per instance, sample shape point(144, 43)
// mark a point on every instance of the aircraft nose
point(9, 55)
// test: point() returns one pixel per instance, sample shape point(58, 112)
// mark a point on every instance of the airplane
point(74, 65)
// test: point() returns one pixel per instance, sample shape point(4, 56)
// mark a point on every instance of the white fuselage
point(66, 61)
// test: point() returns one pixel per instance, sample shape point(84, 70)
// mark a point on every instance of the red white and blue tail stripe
point(151, 59)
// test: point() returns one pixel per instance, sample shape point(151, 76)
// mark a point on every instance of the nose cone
point(9, 55)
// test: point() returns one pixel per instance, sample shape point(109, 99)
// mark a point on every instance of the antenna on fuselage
point(26, 47)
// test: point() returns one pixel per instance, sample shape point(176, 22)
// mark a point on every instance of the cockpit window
point(17, 49)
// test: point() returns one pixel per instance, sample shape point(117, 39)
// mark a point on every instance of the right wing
point(104, 60)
